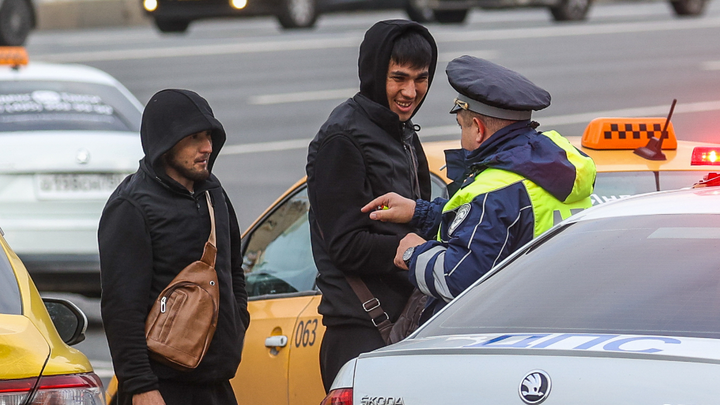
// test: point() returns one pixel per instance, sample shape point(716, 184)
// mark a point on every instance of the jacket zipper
point(169, 292)
point(414, 181)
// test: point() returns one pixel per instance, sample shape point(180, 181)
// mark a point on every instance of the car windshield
point(57, 105)
point(611, 186)
point(9, 292)
point(649, 275)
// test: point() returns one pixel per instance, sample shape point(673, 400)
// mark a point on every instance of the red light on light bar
point(705, 155)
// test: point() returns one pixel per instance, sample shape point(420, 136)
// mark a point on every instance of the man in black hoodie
point(367, 147)
point(154, 225)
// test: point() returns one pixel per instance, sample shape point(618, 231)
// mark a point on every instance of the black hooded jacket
point(151, 228)
point(361, 152)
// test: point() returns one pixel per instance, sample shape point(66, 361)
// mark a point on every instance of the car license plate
point(76, 185)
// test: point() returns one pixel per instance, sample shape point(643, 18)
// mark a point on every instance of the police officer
point(510, 184)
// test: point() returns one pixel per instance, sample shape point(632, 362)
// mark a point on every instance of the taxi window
point(439, 188)
point(617, 185)
point(9, 293)
point(278, 258)
point(675, 180)
point(46, 105)
point(656, 275)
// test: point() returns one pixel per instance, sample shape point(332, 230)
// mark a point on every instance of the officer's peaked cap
point(490, 89)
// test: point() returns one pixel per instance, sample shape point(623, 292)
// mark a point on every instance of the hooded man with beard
point(153, 226)
point(368, 147)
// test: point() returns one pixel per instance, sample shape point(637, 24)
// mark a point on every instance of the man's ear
point(481, 130)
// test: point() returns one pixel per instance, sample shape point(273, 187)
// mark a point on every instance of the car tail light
point(705, 155)
point(75, 389)
point(15, 392)
point(341, 396)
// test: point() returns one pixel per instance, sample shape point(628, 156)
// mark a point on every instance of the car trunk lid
point(563, 368)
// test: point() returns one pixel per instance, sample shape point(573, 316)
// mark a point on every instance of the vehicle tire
point(418, 11)
point(16, 21)
point(450, 16)
point(169, 26)
point(298, 14)
point(688, 7)
point(571, 10)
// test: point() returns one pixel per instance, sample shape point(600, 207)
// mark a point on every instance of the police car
point(36, 364)
point(280, 356)
point(69, 134)
point(618, 304)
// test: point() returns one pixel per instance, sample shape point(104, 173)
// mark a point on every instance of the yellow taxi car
point(281, 354)
point(36, 364)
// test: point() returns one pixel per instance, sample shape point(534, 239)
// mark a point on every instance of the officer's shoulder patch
point(460, 215)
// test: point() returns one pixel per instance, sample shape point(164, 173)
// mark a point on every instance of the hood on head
point(170, 116)
point(375, 52)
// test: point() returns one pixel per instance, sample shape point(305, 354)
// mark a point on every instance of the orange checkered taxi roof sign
point(627, 133)
point(13, 56)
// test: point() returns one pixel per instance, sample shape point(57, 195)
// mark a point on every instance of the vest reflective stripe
point(544, 205)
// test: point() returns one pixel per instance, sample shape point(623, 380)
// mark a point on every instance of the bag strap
point(211, 209)
point(210, 250)
point(371, 305)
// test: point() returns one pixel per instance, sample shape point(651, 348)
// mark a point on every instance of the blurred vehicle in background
point(69, 135)
point(17, 18)
point(561, 10)
point(36, 365)
point(176, 15)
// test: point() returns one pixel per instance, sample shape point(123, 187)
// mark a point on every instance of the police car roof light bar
point(653, 149)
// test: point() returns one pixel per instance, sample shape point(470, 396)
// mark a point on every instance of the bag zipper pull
point(162, 305)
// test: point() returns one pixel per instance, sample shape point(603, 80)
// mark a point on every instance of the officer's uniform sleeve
point(498, 222)
point(427, 216)
point(340, 191)
point(238, 276)
point(126, 275)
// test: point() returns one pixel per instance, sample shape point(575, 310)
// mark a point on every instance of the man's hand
point(410, 240)
point(148, 398)
point(391, 207)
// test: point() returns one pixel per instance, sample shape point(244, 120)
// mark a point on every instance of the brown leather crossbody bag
point(182, 321)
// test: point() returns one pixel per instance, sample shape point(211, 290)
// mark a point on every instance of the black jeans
point(183, 393)
point(343, 343)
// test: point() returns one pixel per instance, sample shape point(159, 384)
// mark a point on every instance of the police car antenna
point(653, 149)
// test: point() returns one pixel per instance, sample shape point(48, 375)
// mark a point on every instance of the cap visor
point(455, 109)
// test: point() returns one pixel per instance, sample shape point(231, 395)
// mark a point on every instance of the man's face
point(405, 87)
point(189, 158)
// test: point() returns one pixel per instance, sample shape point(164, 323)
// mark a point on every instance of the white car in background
point(620, 304)
point(69, 134)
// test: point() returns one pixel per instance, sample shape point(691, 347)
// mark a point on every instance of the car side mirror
point(70, 322)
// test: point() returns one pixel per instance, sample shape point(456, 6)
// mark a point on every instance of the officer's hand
point(410, 240)
point(391, 207)
point(148, 398)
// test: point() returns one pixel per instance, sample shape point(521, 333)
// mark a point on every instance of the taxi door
point(280, 276)
point(262, 377)
point(305, 383)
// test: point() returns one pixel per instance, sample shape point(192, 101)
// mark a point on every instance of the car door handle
point(276, 341)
